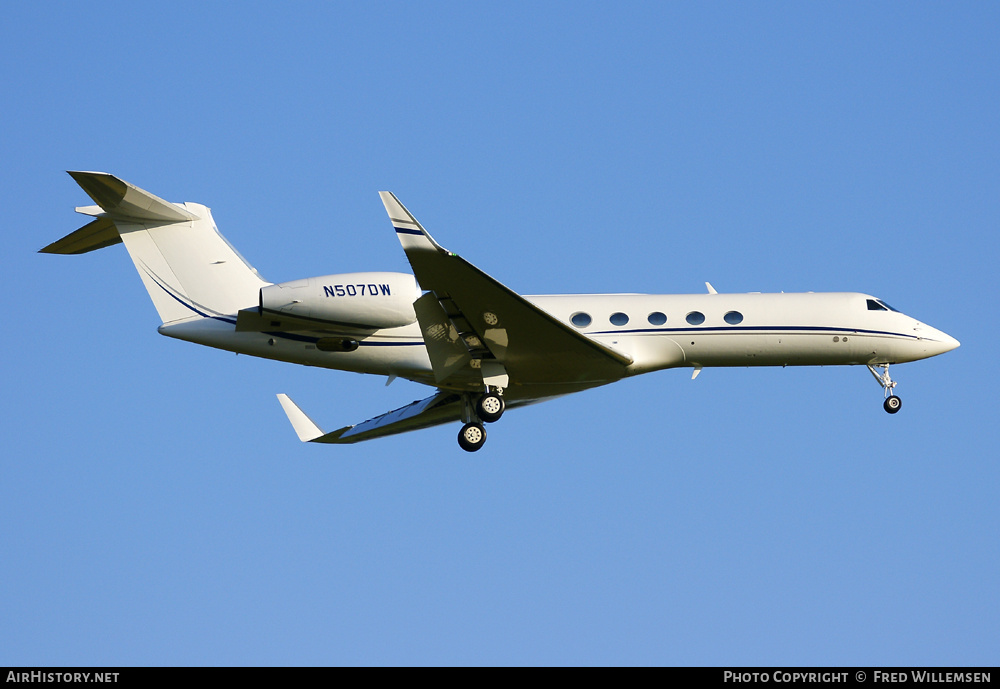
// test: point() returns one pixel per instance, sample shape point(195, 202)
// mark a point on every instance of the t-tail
point(188, 268)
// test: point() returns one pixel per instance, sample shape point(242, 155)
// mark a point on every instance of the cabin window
point(656, 318)
point(695, 318)
point(733, 318)
point(619, 318)
point(580, 319)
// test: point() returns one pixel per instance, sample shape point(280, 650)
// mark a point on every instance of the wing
point(440, 408)
point(437, 409)
point(478, 323)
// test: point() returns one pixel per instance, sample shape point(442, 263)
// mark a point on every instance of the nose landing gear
point(892, 403)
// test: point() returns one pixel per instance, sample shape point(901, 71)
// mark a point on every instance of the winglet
point(411, 234)
point(304, 427)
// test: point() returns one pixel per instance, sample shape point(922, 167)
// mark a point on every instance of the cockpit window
point(879, 305)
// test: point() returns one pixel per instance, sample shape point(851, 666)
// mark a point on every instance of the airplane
point(482, 346)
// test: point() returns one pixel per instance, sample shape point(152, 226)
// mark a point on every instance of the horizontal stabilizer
point(120, 199)
point(96, 235)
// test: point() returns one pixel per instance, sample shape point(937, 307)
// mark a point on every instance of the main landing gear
point(472, 437)
point(490, 407)
point(487, 409)
point(892, 403)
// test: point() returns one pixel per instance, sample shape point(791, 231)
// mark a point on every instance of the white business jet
point(482, 346)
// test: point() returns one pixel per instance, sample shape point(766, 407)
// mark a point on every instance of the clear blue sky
point(156, 507)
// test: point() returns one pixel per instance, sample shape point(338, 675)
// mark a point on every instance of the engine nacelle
point(355, 300)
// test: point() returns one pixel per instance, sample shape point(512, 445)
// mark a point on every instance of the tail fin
point(188, 268)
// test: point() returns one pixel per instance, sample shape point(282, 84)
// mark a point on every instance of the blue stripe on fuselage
point(361, 343)
point(751, 329)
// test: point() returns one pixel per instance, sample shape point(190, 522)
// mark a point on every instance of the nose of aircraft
point(937, 342)
point(948, 343)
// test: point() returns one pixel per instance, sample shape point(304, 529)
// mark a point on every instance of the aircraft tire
point(472, 437)
point(892, 404)
point(490, 407)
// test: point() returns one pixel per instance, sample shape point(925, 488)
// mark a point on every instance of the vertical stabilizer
point(188, 268)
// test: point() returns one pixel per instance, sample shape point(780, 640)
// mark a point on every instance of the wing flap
point(450, 358)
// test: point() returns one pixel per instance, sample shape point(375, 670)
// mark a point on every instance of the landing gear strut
point(892, 403)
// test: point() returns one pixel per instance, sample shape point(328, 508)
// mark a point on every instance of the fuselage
point(656, 331)
point(794, 329)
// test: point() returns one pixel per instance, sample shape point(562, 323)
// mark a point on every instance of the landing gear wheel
point(490, 407)
point(472, 437)
point(892, 403)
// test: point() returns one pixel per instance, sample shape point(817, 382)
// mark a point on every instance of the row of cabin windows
point(581, 319)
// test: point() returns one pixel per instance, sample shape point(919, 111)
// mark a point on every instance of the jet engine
point(354, 300)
